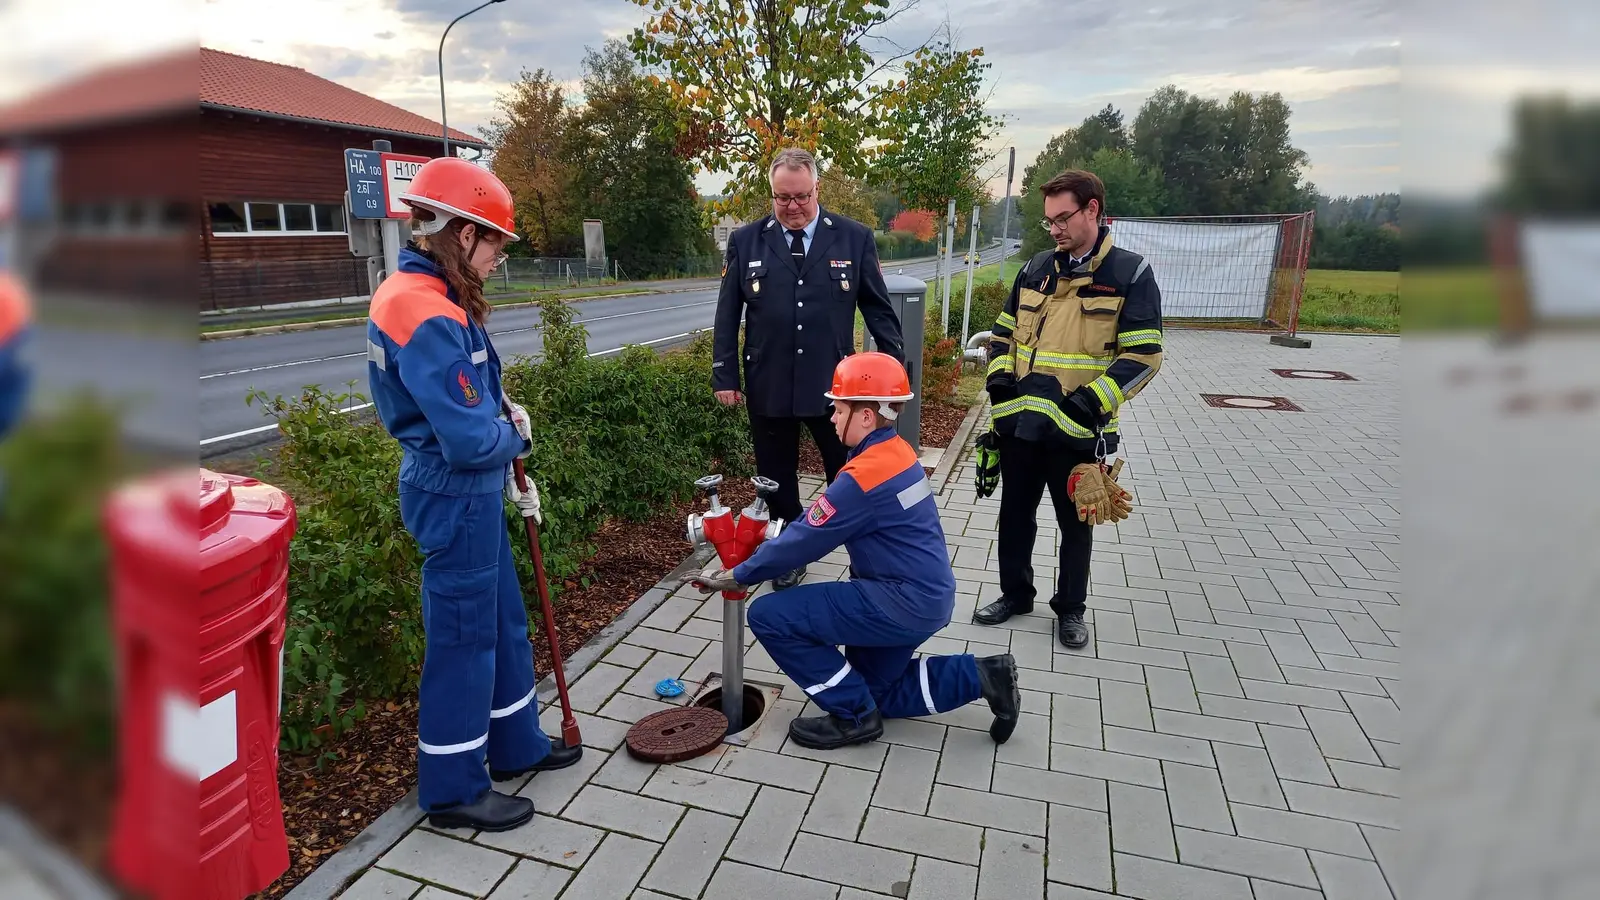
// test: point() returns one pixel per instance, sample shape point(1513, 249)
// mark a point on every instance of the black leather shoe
point(1072, 631)
point(1001, 610)
point(831, 732)
point(560, 757)
point(788, 579)
point(998, 677)
point(493, 811)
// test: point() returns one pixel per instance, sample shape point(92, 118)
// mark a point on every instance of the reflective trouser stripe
point(448, 749)
point(515, 707)
point(838, 676)
point(927, 694)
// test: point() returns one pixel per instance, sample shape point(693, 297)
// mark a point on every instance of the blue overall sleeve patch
point(820, 512)
point(463, 387)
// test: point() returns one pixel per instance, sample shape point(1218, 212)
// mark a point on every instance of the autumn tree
point(937, 136)
point(756, 76)
point(528, 141)
point(917, 222)
point(621, 153)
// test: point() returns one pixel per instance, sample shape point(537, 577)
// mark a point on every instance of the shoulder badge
point(821, 511)
point(463, 386)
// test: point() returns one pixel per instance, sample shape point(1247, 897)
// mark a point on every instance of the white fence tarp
point(1561, 264)
point(1205, 271)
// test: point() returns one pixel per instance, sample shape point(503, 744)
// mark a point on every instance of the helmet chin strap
point(886, 412)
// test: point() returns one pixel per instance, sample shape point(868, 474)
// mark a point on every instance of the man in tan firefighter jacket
point(1079, 337)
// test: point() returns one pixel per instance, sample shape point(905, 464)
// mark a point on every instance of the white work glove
point(527, 504)
point(523, 425)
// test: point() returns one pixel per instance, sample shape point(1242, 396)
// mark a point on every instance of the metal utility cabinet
point(907, 294)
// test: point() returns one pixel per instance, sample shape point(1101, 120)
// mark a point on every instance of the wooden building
point(264, 154)
point(271, 167)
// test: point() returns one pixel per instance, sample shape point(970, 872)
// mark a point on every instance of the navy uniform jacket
point(799, 322)
point(882, 510)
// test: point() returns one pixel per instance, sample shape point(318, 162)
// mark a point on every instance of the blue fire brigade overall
point(435, 382)
point(881, 509)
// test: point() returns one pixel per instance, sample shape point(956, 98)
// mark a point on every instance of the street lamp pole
point(444, 118)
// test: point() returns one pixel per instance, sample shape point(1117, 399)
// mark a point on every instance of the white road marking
point(265, 428)
point(305, 362)
point(282, 365)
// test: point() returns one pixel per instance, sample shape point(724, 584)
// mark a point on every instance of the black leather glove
point(1002, 386)
point(1083, 407)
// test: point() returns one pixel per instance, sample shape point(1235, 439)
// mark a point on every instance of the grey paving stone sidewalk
point(1232, 730)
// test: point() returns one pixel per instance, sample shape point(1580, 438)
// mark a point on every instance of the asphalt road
point(283, 364)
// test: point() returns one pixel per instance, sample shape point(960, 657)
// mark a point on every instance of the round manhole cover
point(674, 735)
point(1302, 373)
point(1249, 402)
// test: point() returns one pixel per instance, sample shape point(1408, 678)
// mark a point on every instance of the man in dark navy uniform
point(797, 277)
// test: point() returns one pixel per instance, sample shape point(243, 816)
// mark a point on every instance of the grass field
point(1461, 298)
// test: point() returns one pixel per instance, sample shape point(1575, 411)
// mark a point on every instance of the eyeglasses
point(1061, 222)
point(786, 200)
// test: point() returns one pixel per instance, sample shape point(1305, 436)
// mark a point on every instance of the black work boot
point(998, 677)
point(788, 579)
point(831, 732)
point(1072, 631)
point(493, 811)
point(1001, 610)
point(560, 757)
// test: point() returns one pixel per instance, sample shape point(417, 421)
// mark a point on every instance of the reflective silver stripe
point(515, 707)
point(838, 676)
point(376, 354)
point(1138, 380)
point(448, 749)
point(915, 494)
point(1143, 265)
point(927, 695)
point(480, 356)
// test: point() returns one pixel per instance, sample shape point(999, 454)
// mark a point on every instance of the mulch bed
point(66, 794)
point(372, 766)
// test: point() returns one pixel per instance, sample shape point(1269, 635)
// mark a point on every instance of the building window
point(278, 219)
point(265, 216)
point(228, 218)
point(330, 218)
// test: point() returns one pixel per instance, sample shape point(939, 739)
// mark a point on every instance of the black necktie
point(797, 244)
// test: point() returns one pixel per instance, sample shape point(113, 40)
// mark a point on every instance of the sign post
point(376, 178)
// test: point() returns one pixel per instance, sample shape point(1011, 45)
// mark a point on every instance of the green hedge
point(55, 629)
point(619, 436)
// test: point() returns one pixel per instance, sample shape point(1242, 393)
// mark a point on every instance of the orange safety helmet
point(871, 376)
point(15, 309)
point(450, 188)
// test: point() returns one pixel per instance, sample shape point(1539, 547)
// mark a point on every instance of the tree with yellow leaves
point(756, 76)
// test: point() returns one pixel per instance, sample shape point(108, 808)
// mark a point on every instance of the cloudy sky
point(1055, 61)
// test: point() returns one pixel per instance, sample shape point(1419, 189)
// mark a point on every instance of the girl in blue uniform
point(435, 380)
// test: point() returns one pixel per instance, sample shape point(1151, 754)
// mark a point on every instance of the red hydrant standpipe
point(735, 542)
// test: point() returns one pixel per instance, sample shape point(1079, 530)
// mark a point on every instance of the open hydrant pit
point(759, 699)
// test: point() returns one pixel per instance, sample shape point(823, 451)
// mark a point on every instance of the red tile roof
point(152, 86)
point(239, 82)
point(167, 83)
